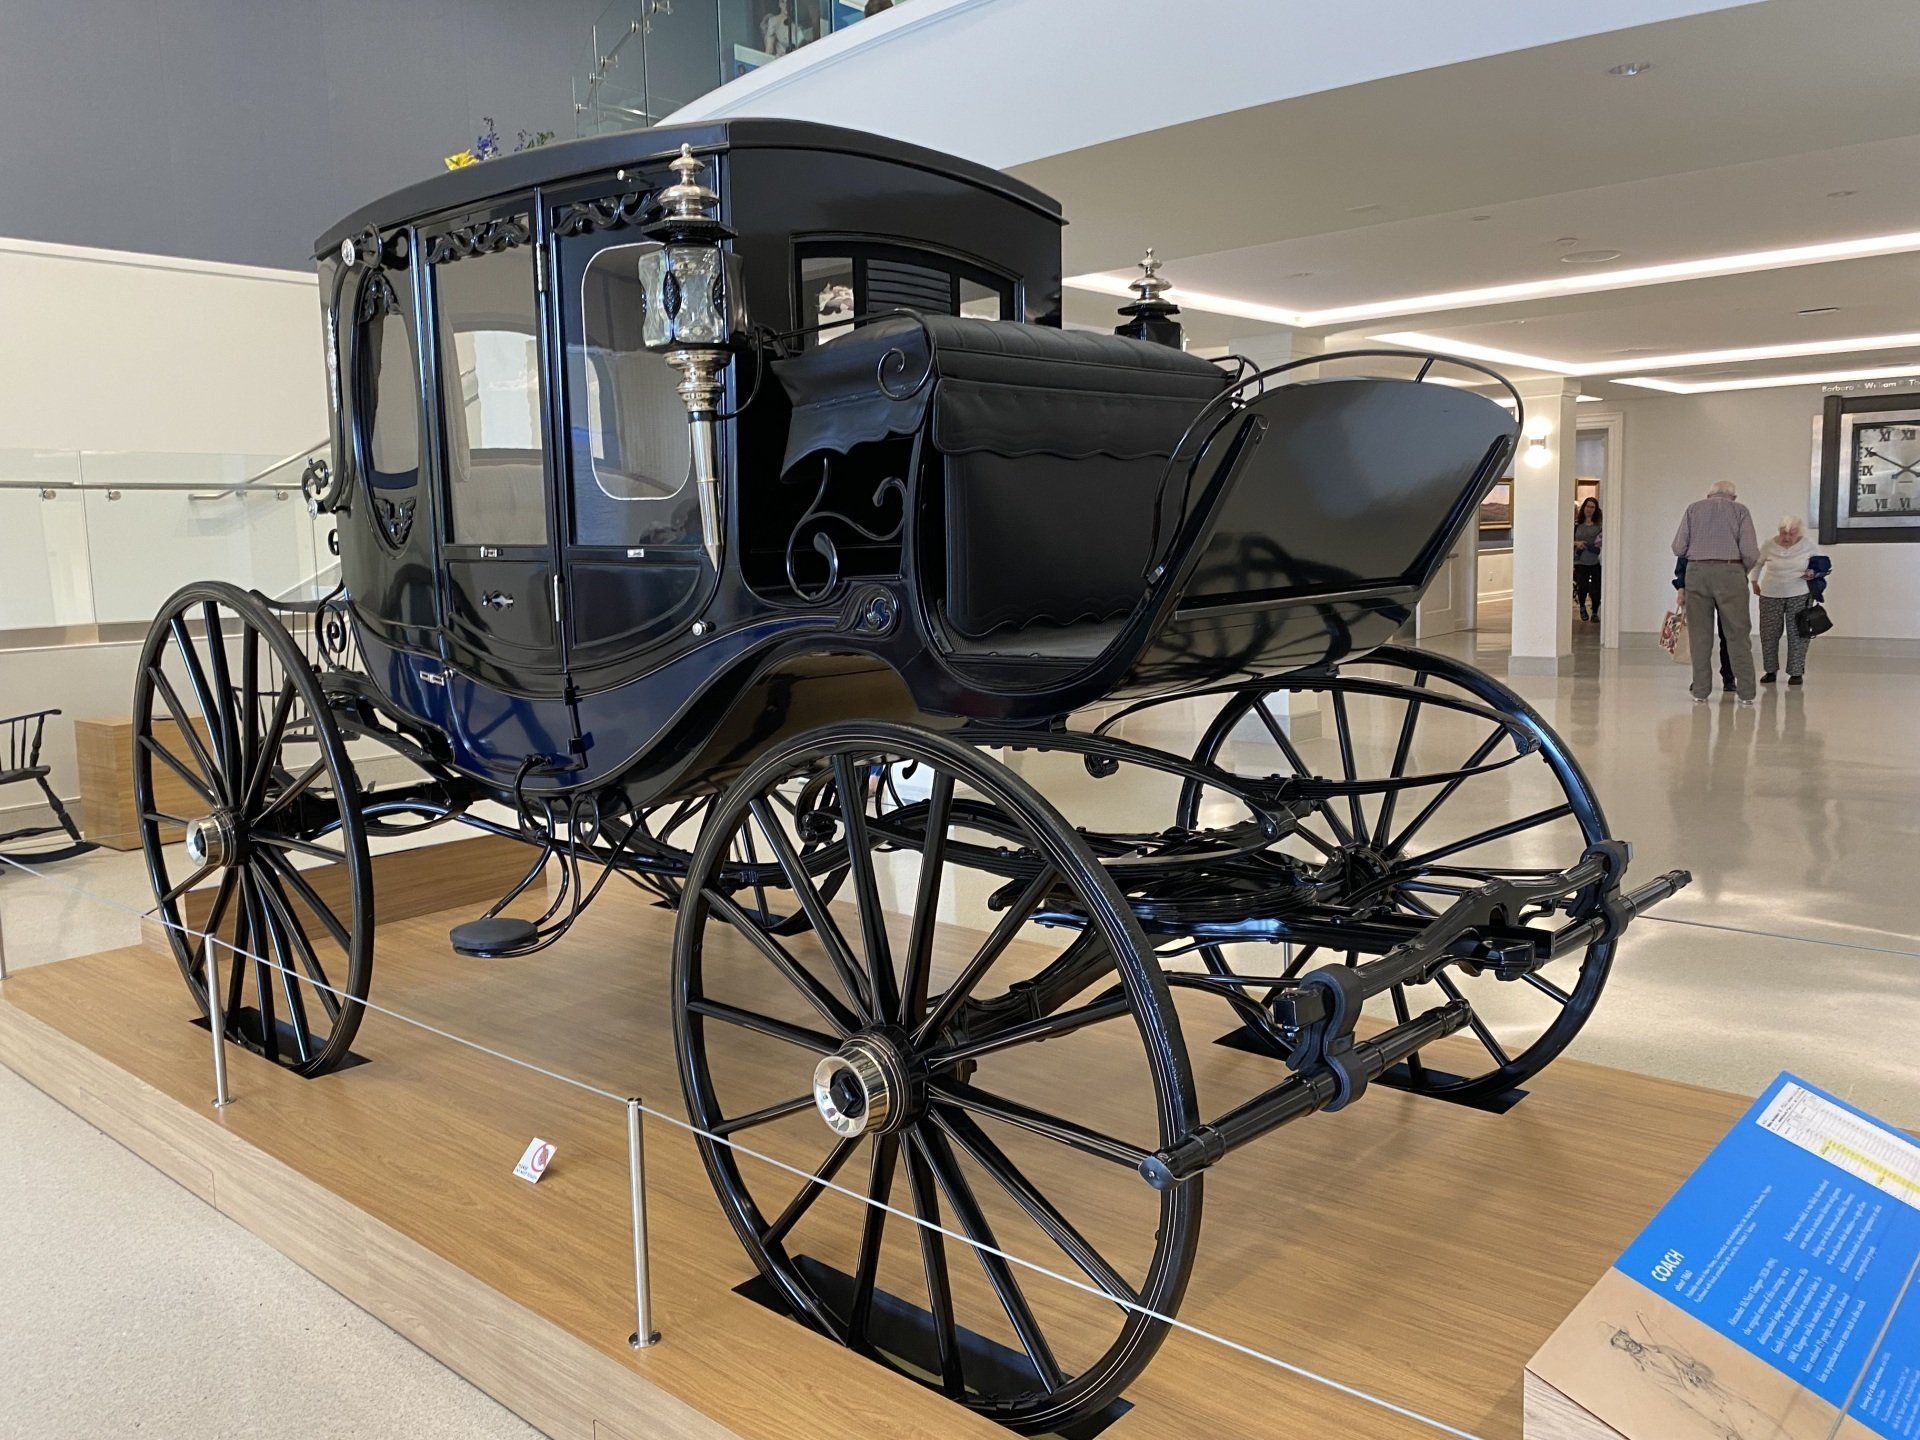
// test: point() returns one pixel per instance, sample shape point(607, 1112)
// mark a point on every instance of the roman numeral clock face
point(1885, 479)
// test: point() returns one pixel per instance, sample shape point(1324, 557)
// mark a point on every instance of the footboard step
point(1241, 1038)
point(905, 1332)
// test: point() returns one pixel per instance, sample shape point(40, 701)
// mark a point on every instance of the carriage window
point(630, 446)
point(839, 281)
point(490, 373)
point(389, 409)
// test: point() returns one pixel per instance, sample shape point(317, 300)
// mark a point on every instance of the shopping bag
point(1813, 621)
point(1673, 633)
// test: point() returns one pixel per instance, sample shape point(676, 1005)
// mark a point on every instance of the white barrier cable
point(679, 1122)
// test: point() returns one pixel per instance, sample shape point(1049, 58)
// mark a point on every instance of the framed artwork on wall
point(1869, 468)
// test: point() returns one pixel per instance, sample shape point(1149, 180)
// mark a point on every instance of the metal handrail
point(200, 489)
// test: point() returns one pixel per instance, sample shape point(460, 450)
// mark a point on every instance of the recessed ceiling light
point(1628, 277)
point(1820, 310)
point(1568, 240)
point(1840, 194)
point(1631, 69)
point(1363, 209)
point(1479, 217)
point(1589, 257)
point(1299, 274)
point(1687, 361)
point(1770, 382)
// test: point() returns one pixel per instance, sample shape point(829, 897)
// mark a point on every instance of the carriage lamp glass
point(693, 304)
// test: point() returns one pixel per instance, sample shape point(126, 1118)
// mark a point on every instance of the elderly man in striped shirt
point(1716, 540)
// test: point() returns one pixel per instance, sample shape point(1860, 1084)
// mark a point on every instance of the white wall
point(1762, 440)
point(111, 351)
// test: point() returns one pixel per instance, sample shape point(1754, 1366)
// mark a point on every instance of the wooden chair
point(20, 738)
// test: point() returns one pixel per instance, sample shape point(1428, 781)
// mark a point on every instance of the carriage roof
point(473, 186)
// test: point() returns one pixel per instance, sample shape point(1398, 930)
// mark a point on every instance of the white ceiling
point(1486, 173)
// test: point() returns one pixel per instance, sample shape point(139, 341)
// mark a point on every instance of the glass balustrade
point(647, 58)
point(92, 541)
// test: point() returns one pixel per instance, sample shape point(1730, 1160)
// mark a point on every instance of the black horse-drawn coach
point(725, 509)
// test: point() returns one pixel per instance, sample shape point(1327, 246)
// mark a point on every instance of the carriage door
point(499, 554)
point(635, 568)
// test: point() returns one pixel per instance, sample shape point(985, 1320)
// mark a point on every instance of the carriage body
point(905, 506)
point(840, 582)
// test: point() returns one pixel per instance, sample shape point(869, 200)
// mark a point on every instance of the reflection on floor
point(1797, 818)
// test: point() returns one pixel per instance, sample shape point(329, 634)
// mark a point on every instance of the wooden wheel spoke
point(203, 941)
point(1383, 822)
point(227, 723)
point(1300, 768)
point(883, 988)
point(886, 1155)
point(174, 763)
point(778, 1029)
point(962, 1130)
point(810, 1191)
point(277, 902)
point(926, 902)
point(996, 943)
point(269, 748)
point(1485, 748)
point(254, 959)
point(1547, 987)
point(280, 951)
point(1488, 836)
point(305, 847)
point(839, 953)
point(300, 885)
point(765, 1115)
point(822, 999)
point(287, 796)
point(1052, 1127)
point(212, 781)
point(933, 1264)
point(1355, 813)
point(1047, 1027)
point(999, 1274)
point(1474, 1022)
point(185, 885)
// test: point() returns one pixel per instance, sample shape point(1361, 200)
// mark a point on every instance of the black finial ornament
point(1151, 316)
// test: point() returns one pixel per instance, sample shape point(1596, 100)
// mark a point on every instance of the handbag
point(1813, 621)
point(1673, 632)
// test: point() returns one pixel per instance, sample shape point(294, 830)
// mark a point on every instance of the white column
point(1543, 530)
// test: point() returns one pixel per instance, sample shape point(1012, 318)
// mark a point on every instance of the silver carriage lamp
point(694, 304)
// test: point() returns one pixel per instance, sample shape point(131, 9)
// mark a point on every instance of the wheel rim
point(954, 1139)
point(226, 703)
point(1519, 1026)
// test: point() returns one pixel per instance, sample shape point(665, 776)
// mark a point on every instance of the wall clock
point(1870, 468)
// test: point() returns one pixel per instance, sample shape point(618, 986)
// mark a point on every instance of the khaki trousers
point(1719, 587)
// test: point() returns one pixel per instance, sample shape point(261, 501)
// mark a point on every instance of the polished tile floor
point(129, 1306)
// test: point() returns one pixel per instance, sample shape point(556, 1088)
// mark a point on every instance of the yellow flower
point(460, 161)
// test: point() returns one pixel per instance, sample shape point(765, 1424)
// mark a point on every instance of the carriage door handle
point(497, 600)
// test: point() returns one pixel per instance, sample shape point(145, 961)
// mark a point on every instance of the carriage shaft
point(1297, 1096)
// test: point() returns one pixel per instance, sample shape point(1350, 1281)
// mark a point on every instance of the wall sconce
point(1538, 428)
point(1537, 456)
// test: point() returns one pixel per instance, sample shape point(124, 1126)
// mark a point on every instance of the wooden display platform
point(1415, 1250)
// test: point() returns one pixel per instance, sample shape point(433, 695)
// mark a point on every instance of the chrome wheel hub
point(211, 840)
point(862, 1087)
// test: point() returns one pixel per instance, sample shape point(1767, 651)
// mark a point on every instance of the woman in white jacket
point(1780, 580)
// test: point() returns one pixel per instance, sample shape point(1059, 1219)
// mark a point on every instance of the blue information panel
point(1798, 1239)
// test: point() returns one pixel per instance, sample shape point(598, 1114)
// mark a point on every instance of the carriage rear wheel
point(1413, 853)
point(886, 1049)
point(275, 854)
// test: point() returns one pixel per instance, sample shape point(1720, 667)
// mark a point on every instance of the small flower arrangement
point(487, 145)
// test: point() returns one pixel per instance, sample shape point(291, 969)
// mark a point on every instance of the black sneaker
point(1795, 679)
point(1769, 677)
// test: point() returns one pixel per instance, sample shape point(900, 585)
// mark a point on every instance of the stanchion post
point(216, 1026)
point(643, 1334)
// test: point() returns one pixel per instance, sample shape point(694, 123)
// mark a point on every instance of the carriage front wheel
point(273, 874)
point(891, 1052)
